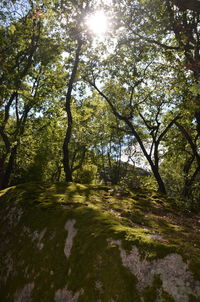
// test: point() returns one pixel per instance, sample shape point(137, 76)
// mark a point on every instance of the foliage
point(137, 88)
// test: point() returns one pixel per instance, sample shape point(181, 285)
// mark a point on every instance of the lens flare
point(97, 23)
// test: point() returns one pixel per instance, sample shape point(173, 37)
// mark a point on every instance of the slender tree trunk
point(4, 182)
point(187, 190)
point(190, 141)
point(104, 172)
point(66, 156)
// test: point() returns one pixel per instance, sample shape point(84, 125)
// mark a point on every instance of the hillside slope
point(76, 243)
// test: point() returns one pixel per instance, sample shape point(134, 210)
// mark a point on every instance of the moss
point(151, 293)
point(154, 292)
point(99, 215)
point(86, 248)
point(91, 250)
point(194, 266)
point(193, 299)
point(166, 297)
point(40, 261)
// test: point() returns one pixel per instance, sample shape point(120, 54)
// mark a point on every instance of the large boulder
point(80, 243)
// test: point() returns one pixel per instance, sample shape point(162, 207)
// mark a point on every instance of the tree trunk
point(187, 190)
point(66, 156)
point(161, 185)
point(4, 182)
point(193, 5)
point(190, 141)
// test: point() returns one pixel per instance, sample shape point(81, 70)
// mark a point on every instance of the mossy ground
point(145, 219)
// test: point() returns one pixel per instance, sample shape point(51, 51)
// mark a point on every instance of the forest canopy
point(101, 92)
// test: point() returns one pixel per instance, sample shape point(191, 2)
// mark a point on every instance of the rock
point(64, 295)
point(81, 254)
point(24, 294)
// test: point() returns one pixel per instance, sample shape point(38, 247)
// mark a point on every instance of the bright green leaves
point(12, 29)
point(195, 89)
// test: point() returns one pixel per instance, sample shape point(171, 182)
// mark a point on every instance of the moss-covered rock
point(76, 243)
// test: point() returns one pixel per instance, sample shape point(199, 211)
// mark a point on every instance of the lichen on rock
point(64, 295)
point(176, 279)
point(6, 271)
point(24, 294)
point(38, 236)
point(13, 216)
point(69, 227)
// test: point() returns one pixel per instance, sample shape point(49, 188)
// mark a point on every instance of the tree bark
point(190, 141)
point(187, 190)
point(66, 155)
point(160, 183)
point(9, 169)
point(193, 5)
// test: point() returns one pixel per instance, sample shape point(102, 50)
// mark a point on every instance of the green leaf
point(12, 29)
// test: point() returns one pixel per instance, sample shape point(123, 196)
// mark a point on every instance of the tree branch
point(189, 140)
point(168, 127)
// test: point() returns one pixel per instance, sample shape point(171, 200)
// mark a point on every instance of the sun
point(97, 23)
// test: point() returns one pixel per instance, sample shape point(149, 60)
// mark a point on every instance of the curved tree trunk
point(66, 156)
point(187, 190)
point(154, 166)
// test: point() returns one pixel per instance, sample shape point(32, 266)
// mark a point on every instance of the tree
point(74, 30)
point(22, 78)
point(140, 84)
point(171, 29)
point(136, 97)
